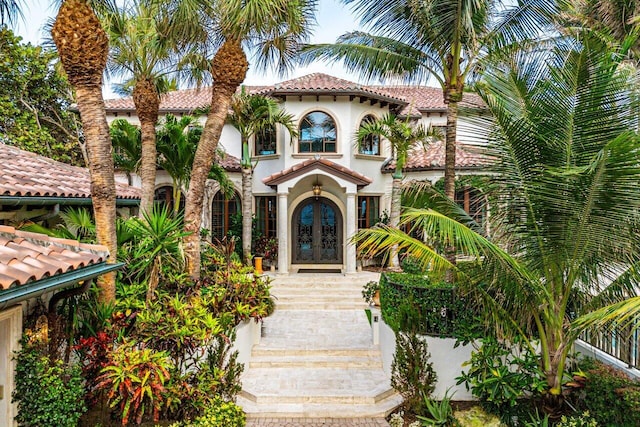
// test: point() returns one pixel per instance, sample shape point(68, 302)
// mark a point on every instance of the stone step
point(317, 361)
point(320, 305)
point(308, 292)
point(382, 408)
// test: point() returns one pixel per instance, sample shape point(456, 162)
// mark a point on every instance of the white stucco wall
point(247, 335)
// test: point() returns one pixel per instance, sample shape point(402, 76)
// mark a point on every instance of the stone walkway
point(317, 422)
point(316, 358)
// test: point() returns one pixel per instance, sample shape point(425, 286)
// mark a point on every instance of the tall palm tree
point(142, 52)
point(440, 39)
point(251, 115)
point(83, 47)
point(9, 11)
point(566, 177)
point(402, 135)
point(273, 29)
point(126, 139)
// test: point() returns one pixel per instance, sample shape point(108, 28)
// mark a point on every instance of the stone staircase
point(316, 358)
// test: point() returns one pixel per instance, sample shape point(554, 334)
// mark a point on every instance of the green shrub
point(583, 420)
point(48, 393)
point(610, 396)
point(441, 311)
point(501, 376)
point(412, 265)
point(412, 374)
point(220, 413)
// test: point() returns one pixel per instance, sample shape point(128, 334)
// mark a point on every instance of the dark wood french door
point(317, 232)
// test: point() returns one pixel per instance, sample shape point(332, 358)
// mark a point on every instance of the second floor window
point(265, 141)
point(317, 133)
point(371, 144)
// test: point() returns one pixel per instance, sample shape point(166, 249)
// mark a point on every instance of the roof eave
point(37, 288)
point(45, 200)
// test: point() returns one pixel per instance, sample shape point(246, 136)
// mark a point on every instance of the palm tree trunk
point(394, 216)
point(103, 186)
point(229, 68)
point(450, 169)
point(246, 214)
point(147, 102)
point(83, 47)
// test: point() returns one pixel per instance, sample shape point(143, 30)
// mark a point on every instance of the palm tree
point(441, 39)
point(251, 115)
point(9, 11)
point(274, 29)
point(141, 51)
point(402, 135)
point(83, 47)
point(127, 146)
point(566, 177)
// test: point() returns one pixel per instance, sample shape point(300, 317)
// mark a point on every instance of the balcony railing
point(621, 343)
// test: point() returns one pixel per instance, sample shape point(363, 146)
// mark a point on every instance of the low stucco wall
point(247, 335)
point(585, 349)
point(447, 360)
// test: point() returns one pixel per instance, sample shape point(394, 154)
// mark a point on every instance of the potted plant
point(371, 293)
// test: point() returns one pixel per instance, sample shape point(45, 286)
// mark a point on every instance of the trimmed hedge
point(413, 303)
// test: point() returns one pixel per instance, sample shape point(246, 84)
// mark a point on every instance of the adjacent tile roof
point(317, 163)
point(229, 163)
point(27, 257)
point(28, 174)
point(410, 99)
point(419, 159)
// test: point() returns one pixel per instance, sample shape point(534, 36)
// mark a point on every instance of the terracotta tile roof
point(419, 159)
point(317, 163)
point(410, 99)
point(28, 174)
point(26, 257)
point(229, 163)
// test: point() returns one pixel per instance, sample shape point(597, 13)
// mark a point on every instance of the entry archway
point(317, 232)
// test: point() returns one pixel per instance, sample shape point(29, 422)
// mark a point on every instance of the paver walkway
point(317, 422)
point(316, 364)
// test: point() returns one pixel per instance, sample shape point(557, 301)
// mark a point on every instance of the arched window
point(317, 133)
point(265, 141)
point(164, 195)
point(371, 144)
point(222, 212)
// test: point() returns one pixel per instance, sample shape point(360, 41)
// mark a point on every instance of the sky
point(333, 20)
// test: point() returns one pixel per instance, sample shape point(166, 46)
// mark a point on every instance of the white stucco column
point(283, 234)
point(350, 252)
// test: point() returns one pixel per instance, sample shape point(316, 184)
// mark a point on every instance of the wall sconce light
point(317, 189)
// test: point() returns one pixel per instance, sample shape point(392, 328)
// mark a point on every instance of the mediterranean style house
point(313, 192)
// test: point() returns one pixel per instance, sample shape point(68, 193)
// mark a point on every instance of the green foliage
point(126, 139)
point(412, 265)
point(582, 420)
point(369, 290)
point(500, 375)
point(412, 373)
point(135, 380)
point(440, 412)
point(35, 101)
point(48, 392)
point(439, 309)
point(219, 413)
point(610, 396)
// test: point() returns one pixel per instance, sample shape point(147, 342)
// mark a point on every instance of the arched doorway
point(317, 232)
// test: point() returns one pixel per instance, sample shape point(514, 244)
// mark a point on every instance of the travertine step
point(318, 305)
point(320, 361)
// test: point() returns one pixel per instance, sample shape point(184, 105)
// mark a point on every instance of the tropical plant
point(274, 28)
point(126, 139)
point(141, 50)
point(566, 154)
point(441, 39)
point(83, 47)
point(135, 381)
point(157, 244)
point(402, 134)
point(251, 115)
point(440, 412)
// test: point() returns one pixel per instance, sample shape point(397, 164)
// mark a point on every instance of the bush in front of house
point(219, 413)
point(48, 392)
point(610, 395)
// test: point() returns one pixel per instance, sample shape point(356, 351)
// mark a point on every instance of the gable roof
point(409, 100)
point(26, 174)
point(432, 158)
point(318, 163)
point(33, 263)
